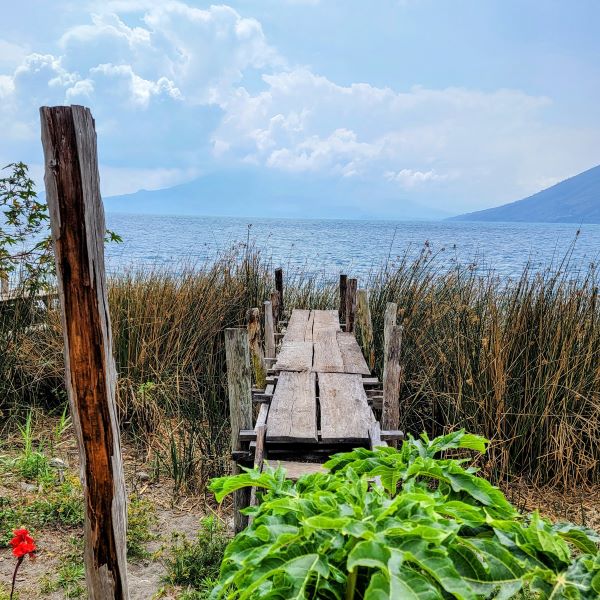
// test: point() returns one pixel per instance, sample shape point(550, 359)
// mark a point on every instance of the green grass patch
point(194, 565)
point(141, 516)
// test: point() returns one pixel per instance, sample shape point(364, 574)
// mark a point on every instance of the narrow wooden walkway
point(320, 396)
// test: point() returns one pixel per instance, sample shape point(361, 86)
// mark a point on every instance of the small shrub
point(389, 523)
point(194, 565)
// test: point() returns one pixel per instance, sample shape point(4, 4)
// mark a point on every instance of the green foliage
point(70, 576)
point(24, 242)
point(405, 523)
point(141, 516)
point(194, 565)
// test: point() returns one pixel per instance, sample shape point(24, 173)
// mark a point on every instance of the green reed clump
point(516, 361)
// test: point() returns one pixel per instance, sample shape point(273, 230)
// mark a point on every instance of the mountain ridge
point(573, 200)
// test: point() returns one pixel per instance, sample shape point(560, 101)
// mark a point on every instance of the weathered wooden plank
point(237, 354)
point(327, 356)
point(389, 322)
point(345, 412)
point(365, 324)
point(390, 411)
point(296, 328)
point(308, 331)
point(352, 357)
point(295, 356)
point(293, 411)
point(351, 287)
point(269, 330)
point(294, 469)
point(78, 230)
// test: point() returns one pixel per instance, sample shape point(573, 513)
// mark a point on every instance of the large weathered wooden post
point(3, 285)
point(390, 411)
point(77, 222)
point(239, 383)
point(366, 327)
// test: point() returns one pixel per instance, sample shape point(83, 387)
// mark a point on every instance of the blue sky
point(456, 104)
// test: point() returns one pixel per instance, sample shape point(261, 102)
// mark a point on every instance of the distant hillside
point(574, 200)
point(254, 193)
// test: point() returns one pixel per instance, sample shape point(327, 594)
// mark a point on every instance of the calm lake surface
point(329, 247)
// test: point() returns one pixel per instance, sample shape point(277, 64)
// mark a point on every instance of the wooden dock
point(320, 396)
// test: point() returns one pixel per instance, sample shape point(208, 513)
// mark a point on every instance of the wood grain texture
point(237, 355)
point(345, 412)
point(295, 356)
point(390, 411)
point(297, 325)
point(365, 325)
point(293, 412)
point(351, 289)
point(279, 289)
point(78, 229)
point(342, 307)
point(389, 322)
point(269, 330)
point(352, 357)
point(257, 356)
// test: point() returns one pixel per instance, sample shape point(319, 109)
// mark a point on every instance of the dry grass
point(516, 361)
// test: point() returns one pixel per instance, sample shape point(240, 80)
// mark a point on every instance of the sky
point(455, 105)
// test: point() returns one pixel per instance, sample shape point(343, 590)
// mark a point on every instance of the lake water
point(330, 247)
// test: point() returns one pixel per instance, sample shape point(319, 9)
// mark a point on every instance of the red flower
point(22, 543)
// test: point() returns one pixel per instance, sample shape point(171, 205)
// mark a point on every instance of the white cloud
point(171, 82)
point(126, 180)
point(409, 178)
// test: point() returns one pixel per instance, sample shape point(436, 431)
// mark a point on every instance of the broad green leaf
point(408, 584)
point(368, 554)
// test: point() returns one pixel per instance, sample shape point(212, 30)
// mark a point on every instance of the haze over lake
point(328, 247)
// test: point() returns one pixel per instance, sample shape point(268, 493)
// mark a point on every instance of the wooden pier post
point(239, 383)
point(77, 222)
point(256, 349)
point(389, 322)
point(390, 411)
point(342, 308)
point(3, 285)
point(269, 331)
point(275, 307)
point(365, 324)
point(351, 304)
point(279, 289)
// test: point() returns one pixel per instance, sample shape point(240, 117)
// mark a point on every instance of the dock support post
point(389, 322)
point(3, 285)
point(279, 289)
point(342, 308)
point(365, 324)
point(239, 383)
point(390, 412)
point(269, 331)
point(77, 223)
point(275, 307)
point(256, 349)
point(351, 304)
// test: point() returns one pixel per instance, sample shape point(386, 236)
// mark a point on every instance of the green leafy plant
point(412, 523)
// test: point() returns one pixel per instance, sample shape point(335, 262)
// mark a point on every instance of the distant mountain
point(261, 193)
point(574, 200)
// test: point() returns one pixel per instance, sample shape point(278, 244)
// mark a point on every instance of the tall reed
point(517, 361)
